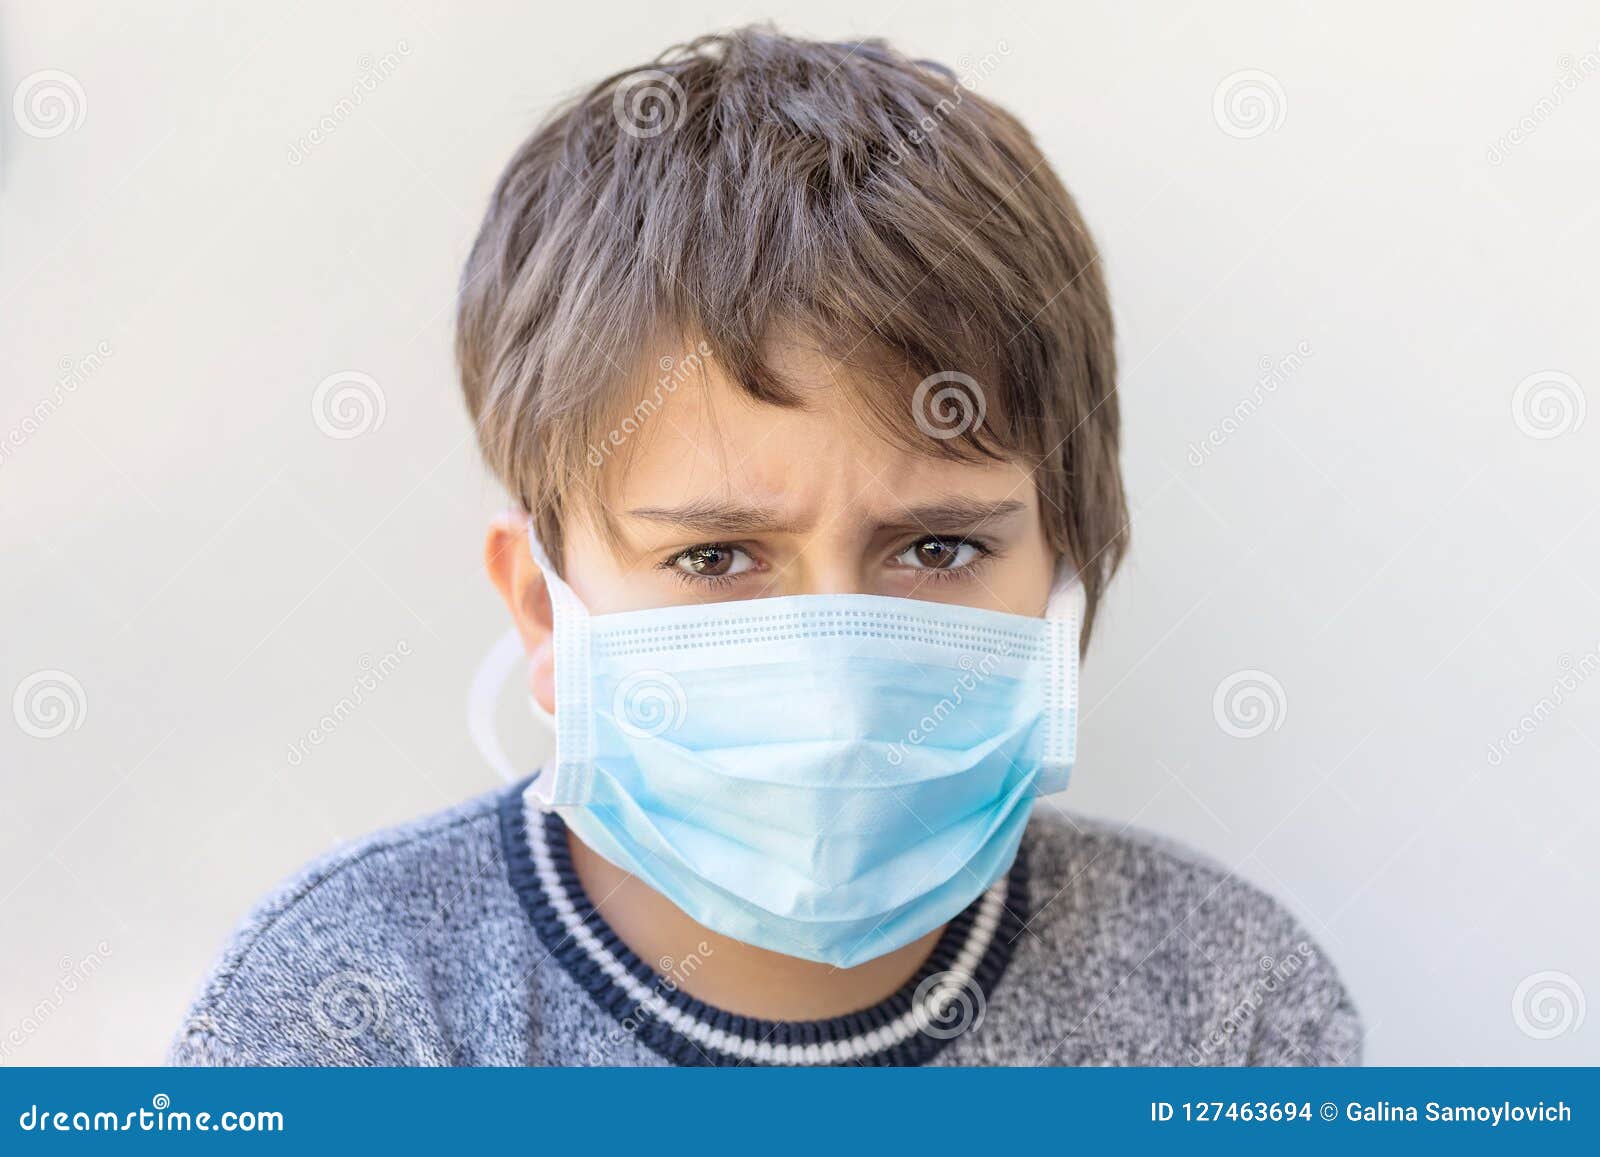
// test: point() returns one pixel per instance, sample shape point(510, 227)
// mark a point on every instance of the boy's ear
point(521, 584)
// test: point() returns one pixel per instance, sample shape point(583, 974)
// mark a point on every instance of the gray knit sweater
point(465, 939)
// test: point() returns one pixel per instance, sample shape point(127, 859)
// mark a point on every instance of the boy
point(798, 361)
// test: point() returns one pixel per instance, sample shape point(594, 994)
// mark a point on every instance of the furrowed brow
point(957, 514)
point(710, 516)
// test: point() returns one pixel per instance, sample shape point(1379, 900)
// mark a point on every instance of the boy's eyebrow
point(957, 513)
point(710, 514)
point(721, 517)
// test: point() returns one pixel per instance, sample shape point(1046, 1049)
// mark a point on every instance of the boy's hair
point(754, 188)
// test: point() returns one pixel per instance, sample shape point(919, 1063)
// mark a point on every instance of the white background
point(1382, 535)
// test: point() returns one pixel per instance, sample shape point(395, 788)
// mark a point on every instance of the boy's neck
point(730, 974)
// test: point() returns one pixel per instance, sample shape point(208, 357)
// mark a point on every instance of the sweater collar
point(943, 1001)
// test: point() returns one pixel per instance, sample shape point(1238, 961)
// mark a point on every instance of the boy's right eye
point(712, 562)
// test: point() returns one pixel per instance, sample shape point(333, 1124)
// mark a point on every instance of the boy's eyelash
point(987, 553)
point(699, 582)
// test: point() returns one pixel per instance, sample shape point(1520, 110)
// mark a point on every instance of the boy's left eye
point(938, 554)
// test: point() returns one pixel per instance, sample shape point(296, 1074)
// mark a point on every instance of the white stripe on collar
point(928, 1013)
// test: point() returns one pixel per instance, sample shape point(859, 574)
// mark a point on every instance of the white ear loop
point(568, 780)
point(483, 701)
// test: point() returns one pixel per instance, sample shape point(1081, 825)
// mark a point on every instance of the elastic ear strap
point(568, 781)
point(1064, 615)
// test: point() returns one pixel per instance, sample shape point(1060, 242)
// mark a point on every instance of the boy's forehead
point(708, 440)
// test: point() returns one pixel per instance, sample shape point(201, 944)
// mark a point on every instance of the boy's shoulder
point(1139, 927)
point(333, 966)
point(1115, 860)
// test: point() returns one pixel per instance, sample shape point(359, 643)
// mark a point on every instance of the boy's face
point(721, 497)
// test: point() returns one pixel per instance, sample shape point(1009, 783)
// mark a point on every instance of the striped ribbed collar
point(944, 1000)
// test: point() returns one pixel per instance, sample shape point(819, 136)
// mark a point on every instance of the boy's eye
point(713, 561)
point(938, 554)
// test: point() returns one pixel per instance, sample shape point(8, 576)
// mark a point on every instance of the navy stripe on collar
point(943, 1001)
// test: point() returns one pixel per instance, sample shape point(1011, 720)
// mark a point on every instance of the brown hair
point(749, 185)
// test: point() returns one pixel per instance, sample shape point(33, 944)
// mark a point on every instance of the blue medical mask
point(825, 776)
